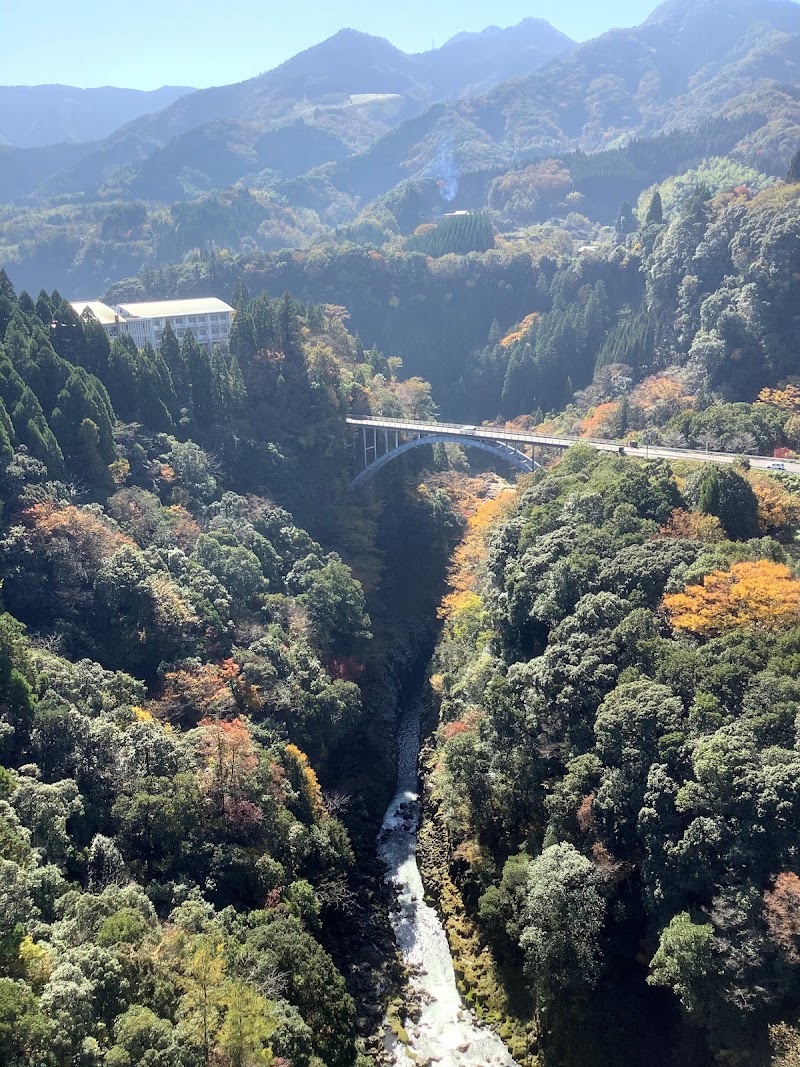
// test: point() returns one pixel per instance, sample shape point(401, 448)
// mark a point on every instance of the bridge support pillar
point(373, 448)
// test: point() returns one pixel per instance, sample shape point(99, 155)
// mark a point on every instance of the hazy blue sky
point(147, 43)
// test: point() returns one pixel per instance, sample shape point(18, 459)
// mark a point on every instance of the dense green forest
point(615, 777)
point(179, 661)
point(702, 292)
point(207, 640)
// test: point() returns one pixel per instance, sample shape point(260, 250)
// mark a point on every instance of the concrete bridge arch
point(504, 451)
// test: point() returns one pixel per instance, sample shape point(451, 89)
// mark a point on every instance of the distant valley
point(354, 141)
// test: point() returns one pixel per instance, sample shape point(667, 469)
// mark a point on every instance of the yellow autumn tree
point(787, 398)
point(694, 526)
point(759, 595)
point(520, 330)
point(304, 780)
point(471, 552)
point(778, 509)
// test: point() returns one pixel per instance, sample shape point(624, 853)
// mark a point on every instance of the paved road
point(457, 430)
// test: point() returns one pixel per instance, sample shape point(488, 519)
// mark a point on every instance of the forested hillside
point(207, 642)
point(358, 86)
point(687, 63)
point(354, 143)
point(615, 778)
point(179, 660)
point(692, 303)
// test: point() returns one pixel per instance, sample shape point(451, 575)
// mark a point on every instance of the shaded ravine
point(446, 1032)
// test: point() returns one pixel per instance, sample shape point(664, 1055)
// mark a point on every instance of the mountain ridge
point(625, 83)
point(35, 116)
point(352, 84)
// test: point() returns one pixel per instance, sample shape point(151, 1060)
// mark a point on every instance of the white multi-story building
point(207, 317)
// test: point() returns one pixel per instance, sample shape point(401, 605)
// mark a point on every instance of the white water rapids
point(447, 1033)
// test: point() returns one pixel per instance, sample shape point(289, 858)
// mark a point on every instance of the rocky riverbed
point(440, 1029)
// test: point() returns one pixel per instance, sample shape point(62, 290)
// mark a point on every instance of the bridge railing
point(495, 433)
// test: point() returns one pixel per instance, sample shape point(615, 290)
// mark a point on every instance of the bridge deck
point(488, 433)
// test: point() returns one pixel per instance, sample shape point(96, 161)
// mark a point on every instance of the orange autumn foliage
point(521, 424)
point(778, 509)
point(183, 527)
point(244, 693)
point(229, 759)
point(759, 595)
point(523, 327)
point(468, 724)
point(585, 813)
point(87, 535)
point(787, 398)
point(662, 393)
point(595, 421)
point(471, 552)
point(782, 913)
point(693, 526)
point(210, 691)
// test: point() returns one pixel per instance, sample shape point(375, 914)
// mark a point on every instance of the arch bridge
point(378, 441)
point(385, 440)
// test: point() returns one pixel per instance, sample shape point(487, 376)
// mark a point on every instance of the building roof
point(102, 312)
point(158, 309)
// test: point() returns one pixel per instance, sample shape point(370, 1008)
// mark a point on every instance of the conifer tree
point(34, 359)
point(201, 383)
point(98, 345)
point(6, 437)
point(263, 321)
point(220, 386)
point(84, 397)
point(67, 334)
point(238, 392)
point(140, 386)
point(542, 291)
point(240, 296)
point(6, 286)
point(655, 213)
point(290, 339)
point(793, 174)
point(626, 220)
point(242, 339)
point(170, 351)
point(29, 423)
point(44, 309)
point(89, 459)
point(162, 380)
point(378, 362)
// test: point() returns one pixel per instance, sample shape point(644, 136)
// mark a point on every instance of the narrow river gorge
point(445, 1031)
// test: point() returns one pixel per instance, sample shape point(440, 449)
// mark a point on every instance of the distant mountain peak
point(350, 39)
point(528, 24)
point(348, 32)
point(686, 10)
